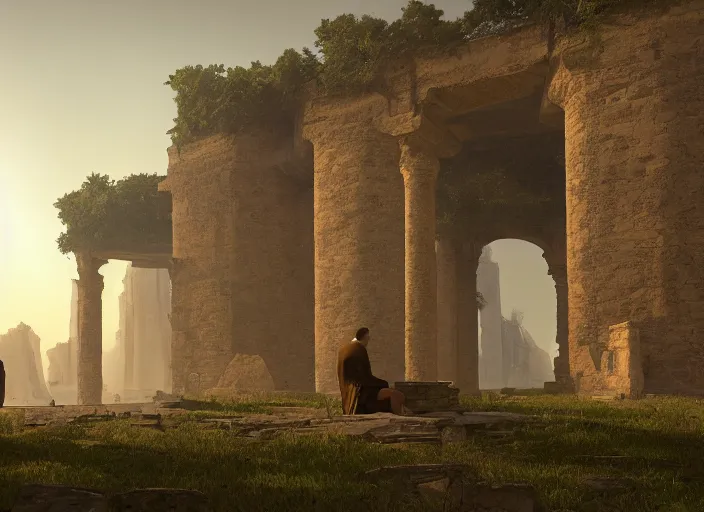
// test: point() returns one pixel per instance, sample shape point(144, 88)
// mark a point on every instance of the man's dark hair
point(361, 333)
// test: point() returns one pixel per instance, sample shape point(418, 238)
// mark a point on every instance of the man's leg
point(395, 398)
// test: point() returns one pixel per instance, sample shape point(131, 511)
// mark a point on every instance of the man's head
point(363, 336)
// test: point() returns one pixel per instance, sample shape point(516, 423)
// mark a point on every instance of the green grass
point(656, 446)
point(264, 403)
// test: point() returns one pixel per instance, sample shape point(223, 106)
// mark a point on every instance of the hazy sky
point(82, 92)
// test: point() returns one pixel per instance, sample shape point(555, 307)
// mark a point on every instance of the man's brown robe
point(358, 387)
point(2, 384)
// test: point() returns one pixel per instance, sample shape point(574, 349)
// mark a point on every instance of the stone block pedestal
point(422, 397)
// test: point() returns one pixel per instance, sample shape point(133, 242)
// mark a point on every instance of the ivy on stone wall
point(106, 215)
point(468, 199)
point(352, 54)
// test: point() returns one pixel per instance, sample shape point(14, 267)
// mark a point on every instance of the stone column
point(90, 330)
point(420, 169)
point(468, 326)
point(446, 253)
point(562, 361)
point(635, 225)
point(491, 374)
point(359, 238)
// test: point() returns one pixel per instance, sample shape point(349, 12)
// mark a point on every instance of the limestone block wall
point(272, 265)
point(621, 362)
point(242, 280)
point(199, 181)
point(359, 237)
point(634, 114)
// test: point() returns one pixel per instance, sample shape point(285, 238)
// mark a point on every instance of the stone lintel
point(421, 131)
point(559, 274)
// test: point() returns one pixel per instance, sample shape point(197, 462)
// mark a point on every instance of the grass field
point(653, 448)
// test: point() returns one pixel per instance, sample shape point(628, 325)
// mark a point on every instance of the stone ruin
point(24, 372)
point(140, 362)
point(285, 243)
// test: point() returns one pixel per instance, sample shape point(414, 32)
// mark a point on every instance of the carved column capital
point(559, 274)
point(88, 266)
point(417, 160)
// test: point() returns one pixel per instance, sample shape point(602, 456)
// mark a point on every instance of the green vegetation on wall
point(523, 179)
point(105, 214)
point(352, 55)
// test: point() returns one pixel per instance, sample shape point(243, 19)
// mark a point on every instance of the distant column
point(446, 252)
point(562, 361)
point(468, 326)
point(128, 334)
point(491, 367)
point(420, 169)
point(90, 331)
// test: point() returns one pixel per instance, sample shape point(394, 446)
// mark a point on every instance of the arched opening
point(136, 337)
point(507, 187)
point(517, 320)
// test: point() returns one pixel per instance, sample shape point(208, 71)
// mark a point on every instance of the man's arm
point(360, 370)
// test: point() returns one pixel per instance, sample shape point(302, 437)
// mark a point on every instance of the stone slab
point(437, 427)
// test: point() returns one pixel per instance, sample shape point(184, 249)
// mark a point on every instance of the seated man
point(2, 383)
point(362, 393)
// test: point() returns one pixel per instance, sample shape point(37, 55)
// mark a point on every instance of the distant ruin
point(140, 362)
point(20, 352)
point(509, 357)
point(285, 241)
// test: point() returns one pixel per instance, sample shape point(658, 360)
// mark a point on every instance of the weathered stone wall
point(359, 237)
point(242, 277)
point(199, 181)
point(272, 264)
point(621, 362)
point(634, 112)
